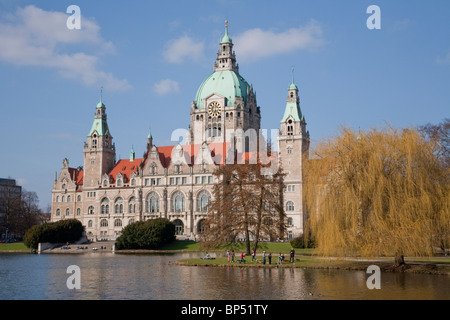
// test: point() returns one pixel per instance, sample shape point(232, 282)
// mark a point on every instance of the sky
point(150, 57)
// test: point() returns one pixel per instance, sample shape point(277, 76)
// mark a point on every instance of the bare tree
point(20, 209)
point(380, 193)
point(440, 134)
point(246, 206)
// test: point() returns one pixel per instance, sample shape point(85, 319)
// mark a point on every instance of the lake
point(152, 276)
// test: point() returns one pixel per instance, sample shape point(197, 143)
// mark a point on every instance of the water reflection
point(123, 276)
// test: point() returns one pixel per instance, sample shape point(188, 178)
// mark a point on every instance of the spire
point(292, 103)
point(100, 104)
point(293, 86)
point(226, 38)
point(100, 124)
point(132, 154)
point(149, 140)
point(226, 58)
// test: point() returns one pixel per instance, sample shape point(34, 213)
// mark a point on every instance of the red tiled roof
point(126, 168)
point(76, 174)
point(218, 153)
point(165, 155)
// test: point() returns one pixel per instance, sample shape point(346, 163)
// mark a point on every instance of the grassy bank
point(414, 265)
point(274, 247)
point(13, 247)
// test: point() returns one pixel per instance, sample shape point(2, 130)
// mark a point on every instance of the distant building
point(176, 182)
point(10, 195)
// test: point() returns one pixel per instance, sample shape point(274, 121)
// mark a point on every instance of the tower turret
point(99, 150)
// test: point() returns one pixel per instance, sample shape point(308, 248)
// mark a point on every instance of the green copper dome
point(226, 83)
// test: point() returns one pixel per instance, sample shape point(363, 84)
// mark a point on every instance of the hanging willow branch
point(380, 193)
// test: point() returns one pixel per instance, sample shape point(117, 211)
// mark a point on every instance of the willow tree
point(247, 205)
point(379, 193)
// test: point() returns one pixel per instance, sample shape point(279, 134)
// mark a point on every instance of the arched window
point(91, 210)
point(178, 202)
point(132, 205)
point(201, 226)
point(78, 211)
point(69, 198)
point(152, 202)
point(57, 198)
point(289, 206)
point(103, 223)
point(179, 227)
point(63, 198)
point(290, 130)
point(131, 221)
point(105, 205)
point(133, 182)
point(58, 212)
point(67, 212)
point(203, 200)
point(79, 198)
point(290, 222)
point(117, 223)
point(90, 224)
point(118, 205)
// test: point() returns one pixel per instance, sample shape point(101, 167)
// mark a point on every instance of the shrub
point(69, 230)
point(150, 234)
point(300, 243)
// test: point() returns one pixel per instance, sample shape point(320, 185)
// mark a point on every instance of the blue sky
point(151, 57)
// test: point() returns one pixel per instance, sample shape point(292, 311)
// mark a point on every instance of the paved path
point(102, 246)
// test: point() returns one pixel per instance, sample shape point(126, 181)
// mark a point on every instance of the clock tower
point(225, 105)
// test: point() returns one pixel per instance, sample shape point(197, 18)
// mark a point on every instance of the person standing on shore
point(264, 257)
point(270, 257)
point(232, 255)
point(228, 255)
point(292, 254)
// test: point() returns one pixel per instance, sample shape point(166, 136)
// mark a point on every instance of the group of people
point(231, 257)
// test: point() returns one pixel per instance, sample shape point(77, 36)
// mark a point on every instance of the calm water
point(120, 276)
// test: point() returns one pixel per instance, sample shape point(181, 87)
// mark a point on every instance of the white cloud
point(178, 50)
point(256, 43)
point(166, 86)
point(35, 37)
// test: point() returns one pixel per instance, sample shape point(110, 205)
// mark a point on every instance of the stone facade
point(176, 182)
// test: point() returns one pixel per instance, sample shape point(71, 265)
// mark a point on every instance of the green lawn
point(274, 247)
point(181, 245)
point(13, 247)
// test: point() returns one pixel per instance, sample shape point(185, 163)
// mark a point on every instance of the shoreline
point(420, 265)
point(329, 264)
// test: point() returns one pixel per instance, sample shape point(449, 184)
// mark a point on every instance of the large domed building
point(176, 182)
